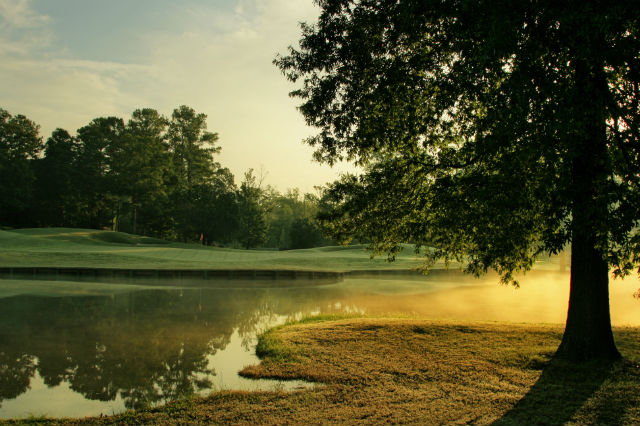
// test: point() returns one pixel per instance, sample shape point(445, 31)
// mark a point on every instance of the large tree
point(494, 131)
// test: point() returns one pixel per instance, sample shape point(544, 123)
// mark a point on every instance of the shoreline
point(414, 371)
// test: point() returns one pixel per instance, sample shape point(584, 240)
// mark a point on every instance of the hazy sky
point(65, 62)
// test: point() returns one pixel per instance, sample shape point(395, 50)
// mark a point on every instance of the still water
point(78, 349)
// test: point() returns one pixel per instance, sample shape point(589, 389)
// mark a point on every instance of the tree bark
point(588, 334)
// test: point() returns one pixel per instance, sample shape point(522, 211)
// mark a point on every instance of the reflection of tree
point(55, 368)
point(147, 346)
point(15, 373)
point(174, 383)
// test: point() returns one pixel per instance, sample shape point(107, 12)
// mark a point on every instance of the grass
point(65, 247)
point(270, 345)
point(412, 371)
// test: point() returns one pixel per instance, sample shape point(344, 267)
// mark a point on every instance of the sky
point(66, 62)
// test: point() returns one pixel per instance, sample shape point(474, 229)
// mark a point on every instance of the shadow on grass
point(583, 394)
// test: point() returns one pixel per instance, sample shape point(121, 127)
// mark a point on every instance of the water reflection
point(141, 347)
point(147, 346)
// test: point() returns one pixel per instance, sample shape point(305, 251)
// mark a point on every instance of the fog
point(542, 297)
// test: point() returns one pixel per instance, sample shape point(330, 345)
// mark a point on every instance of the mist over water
point(77, 349)
point(542, 297)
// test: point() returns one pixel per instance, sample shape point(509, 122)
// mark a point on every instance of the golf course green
point(86, 248)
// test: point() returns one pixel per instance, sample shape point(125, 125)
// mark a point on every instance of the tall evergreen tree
point(192, 146)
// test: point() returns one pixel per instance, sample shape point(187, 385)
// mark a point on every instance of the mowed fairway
point(63, 247)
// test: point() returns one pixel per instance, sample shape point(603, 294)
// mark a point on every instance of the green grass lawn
point(64, 247)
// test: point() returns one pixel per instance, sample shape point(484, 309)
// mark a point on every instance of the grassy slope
point(411, 371)
point(90, 248)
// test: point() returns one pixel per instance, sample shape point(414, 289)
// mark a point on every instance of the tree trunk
point(135, 218)
point(587, 335)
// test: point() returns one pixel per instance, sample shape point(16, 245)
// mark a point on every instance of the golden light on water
point(541, 298)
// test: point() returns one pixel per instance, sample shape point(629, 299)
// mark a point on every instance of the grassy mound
point(65, 247)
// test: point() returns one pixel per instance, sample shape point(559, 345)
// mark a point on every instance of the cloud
point(41, 81)
point(70, 93)
point(21, 29)
point(19, 14)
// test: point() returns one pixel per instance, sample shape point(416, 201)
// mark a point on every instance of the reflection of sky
point(228, 321)
point(59, 401)
point(235, 356)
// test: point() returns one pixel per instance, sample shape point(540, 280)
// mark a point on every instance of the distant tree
point(214, 210)
point(192, 149)
point(20, 144)
point(150, 176)
point(95, 193)
point(192, 146)
point(291, 220)
point(139, 165)
point(494, 131)
point(280, 212)
point(305, 233)
point(252, 226)
point(57, 200)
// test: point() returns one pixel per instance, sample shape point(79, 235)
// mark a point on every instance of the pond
point(78, 349)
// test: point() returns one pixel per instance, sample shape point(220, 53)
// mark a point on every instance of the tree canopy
point(489, 131)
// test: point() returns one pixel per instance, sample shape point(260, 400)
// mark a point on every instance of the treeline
point(150, 175)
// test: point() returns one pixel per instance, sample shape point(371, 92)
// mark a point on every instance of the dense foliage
point(493, 131)
point(150, 175)
point(19, 146)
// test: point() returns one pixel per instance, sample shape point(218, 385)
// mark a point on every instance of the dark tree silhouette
point(493, 131)
point(19, 145)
